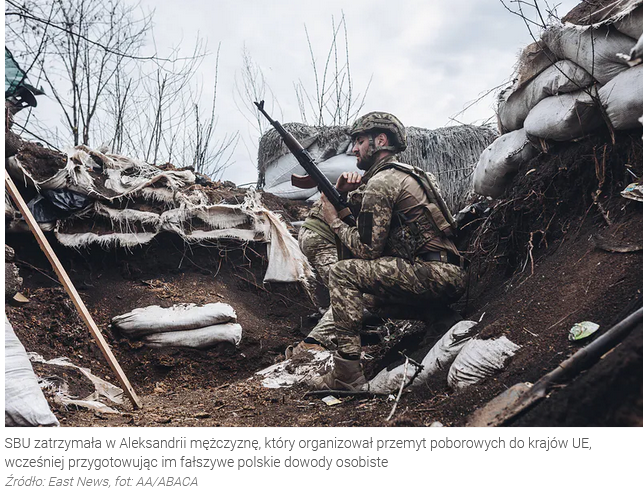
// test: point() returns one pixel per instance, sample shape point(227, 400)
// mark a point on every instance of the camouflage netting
point(271, 146)
point(449, 153)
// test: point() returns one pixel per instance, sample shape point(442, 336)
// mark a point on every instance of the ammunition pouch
point(406, 239)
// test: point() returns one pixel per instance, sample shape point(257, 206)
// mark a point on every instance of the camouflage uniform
point(317, 242)
point(380, 274)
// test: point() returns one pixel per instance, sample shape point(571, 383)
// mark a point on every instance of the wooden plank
point(71, 290)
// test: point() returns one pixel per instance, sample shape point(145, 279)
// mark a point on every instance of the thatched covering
point(449, 153)
point(271, 146)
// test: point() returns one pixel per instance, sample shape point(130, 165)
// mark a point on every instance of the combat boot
point(345, 375)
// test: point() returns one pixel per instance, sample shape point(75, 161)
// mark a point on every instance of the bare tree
point(333, 101)
point(108, 92)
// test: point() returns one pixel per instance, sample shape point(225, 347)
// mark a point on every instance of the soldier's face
point(360, 149)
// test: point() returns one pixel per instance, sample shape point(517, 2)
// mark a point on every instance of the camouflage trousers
point(391, 286)
point(320, 252)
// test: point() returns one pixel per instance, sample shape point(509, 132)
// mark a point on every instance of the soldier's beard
point(365, 163)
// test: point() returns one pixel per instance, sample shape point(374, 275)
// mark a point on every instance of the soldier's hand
point(329, 212)
point(348, 181)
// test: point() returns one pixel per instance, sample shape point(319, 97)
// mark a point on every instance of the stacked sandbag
point(479, 359)
point(182, 325)
point(564, 117)
point(622, 98)
point(24, 402)
point(594, 49)
point(436, 361)
point(588, 61)
point(499, 163)
point(561, 78)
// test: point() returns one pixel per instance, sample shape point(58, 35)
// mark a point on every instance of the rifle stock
point(308, 163)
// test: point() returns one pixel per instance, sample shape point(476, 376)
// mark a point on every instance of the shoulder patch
point(365, 227)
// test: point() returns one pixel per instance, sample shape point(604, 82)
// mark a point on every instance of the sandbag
point(564, 117)
point(278, 174)
point(632, 24)
point(438, 358)
point(201, 338)
point(478, 359)
point(24, 402)
point(636, 54)
point(499, 163)
point(622, 98)
point(595, 50)
point(180, 317)
point(562, 77)
point(533, 59)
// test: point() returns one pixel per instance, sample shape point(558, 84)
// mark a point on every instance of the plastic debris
point(634, 191)
point(331, 400)
point(296, 370)
point(581, 330)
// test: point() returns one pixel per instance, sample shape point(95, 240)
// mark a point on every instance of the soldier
point(318, 242)
point(402, 252)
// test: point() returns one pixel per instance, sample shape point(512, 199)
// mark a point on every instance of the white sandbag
point(596, 50)
point(437, 359)
point(636, 54)
point(287, 191)
point(562, 77)
point(202, 338)
point(278, 174)
point(499, 163)
point(478, 359)
point(179, 317)
point(24, 402)
point(564, 117)
point(632, 24)
point(533, 59)
point(622, 98)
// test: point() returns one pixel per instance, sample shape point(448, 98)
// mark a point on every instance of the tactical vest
point(406, 239)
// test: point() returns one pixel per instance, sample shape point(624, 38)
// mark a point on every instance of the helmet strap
point(373, 149)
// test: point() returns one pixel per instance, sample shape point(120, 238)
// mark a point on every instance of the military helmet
point(378, 120)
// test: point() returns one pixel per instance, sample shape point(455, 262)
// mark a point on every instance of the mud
point(535, 272)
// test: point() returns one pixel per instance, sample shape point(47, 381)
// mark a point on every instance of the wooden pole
point(71, 290)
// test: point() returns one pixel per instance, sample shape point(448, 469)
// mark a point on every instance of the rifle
point(308, 163)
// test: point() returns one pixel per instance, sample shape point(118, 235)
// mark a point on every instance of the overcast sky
point(428, 59)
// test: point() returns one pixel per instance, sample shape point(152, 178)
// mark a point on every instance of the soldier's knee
point(340, 272)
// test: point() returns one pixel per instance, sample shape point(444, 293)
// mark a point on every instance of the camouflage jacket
point(383, 194)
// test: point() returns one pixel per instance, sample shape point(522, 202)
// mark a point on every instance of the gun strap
point(344, 212)
point(321, 228)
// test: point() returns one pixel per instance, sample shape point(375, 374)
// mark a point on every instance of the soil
point(538, 265)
